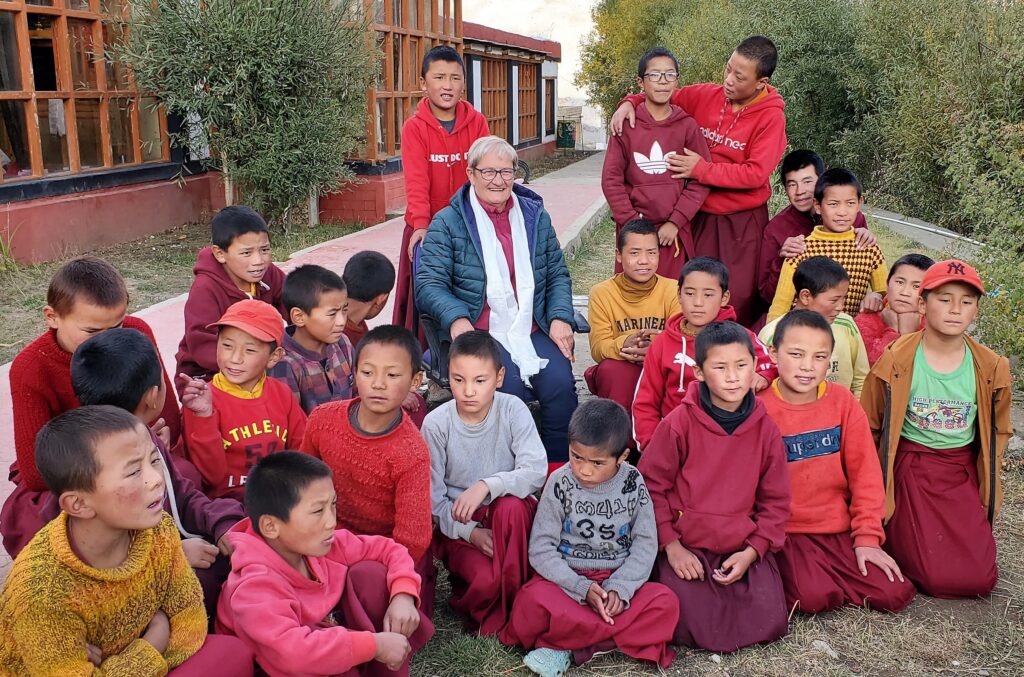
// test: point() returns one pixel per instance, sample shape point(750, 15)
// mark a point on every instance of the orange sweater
point(833, 467)
point(620, 308)
point(383, 483)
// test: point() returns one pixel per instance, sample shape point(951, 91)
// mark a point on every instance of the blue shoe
point(547, 662)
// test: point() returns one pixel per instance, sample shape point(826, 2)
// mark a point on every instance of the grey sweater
point(607, 527)
point(504, 451)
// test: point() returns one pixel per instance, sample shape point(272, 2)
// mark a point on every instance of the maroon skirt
point(939, 533)
point(545, 617)
point(735, 240)
point(819, 573)
point(614, 380)
point(405, 304)
point(726, 618)
point(484, 588)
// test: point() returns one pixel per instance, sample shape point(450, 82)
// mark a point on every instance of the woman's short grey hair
point(491, 144)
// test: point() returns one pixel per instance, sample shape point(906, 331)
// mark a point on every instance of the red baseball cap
point(256, 318)
point(951, 270)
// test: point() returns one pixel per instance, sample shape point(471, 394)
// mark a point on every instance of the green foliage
point(277, 86)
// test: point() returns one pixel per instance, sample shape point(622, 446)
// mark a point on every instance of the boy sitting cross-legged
point(833, 554)
point(486, 461)
point(593, 545)
point(120, 367)
point(669, 364)
point(821, 285)
point(317, 360)
point(240, 416)
point(105, 588)
point(716, 470)
point(309, 598)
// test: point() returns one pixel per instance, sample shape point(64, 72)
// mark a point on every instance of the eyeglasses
point(507, 174)
point(655, 76)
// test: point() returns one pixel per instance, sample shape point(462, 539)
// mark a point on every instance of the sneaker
point(548, 662)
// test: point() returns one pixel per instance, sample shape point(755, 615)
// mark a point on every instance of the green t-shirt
point(943, 407)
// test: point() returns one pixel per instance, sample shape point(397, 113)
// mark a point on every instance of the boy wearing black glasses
point(636, 180)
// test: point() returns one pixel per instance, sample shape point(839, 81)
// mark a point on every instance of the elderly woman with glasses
point(492, 261)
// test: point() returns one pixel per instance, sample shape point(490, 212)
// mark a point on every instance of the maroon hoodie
point(715, 491)
point(211, 294)
point(636, 180)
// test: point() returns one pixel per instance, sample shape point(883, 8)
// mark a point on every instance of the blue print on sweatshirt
point(802, 446)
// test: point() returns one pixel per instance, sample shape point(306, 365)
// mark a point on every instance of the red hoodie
point(668, 371)
point(435, 161)
point(212, 292)
point(635, 179)
point(279, 613)
point(715, 491)
point(746, 145)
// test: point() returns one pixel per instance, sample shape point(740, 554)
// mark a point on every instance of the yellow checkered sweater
point(866, 268)
point(53, 603)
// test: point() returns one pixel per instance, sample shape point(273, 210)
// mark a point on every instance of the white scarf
point(510, 319)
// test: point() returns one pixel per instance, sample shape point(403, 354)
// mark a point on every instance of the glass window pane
point(53, 132)
point(397, 62)
point(117, 72)
point(14, 156)
point(149, 130)
point(399, 121)
point(381, 123)
point(44, 61)
point(413, 14)
point(83, 70)
point(42, 3)
point(79, 4)
point(396, 13)
point(115, 7)
point(121, 147)
point(90, 146)
point(10, 61)
point(378, 11)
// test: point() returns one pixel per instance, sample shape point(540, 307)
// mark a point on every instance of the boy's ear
point(379, 302)
point(817, 208)
point(51, 317)
point(804, 297)
point(417, 381)
point(76, 504)
point(219, 254)
point(618, 256)
point(698, 372)
point(725, 298)
point(297, 316)
point(501, 377)
point(773, 352)
point(423, 83)
point(148, 401)
point(270, 526)
point(275, 357)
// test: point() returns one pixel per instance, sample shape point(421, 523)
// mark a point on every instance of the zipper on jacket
point(992, 470)
point(884, 437)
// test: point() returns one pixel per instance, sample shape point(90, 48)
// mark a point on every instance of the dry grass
point(595, 258)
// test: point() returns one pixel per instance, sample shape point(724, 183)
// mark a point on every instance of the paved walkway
point(572, 196)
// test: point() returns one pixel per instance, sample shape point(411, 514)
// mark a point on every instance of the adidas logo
point(657, 163)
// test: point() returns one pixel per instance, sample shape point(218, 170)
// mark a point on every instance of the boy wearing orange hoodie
point(435, 144)
point(668, 367)
point(635, 179)
point(743, 121)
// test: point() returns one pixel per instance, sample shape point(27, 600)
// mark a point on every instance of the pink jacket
point(279, 613)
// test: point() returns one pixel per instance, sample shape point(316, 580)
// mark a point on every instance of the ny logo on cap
point(955, 268)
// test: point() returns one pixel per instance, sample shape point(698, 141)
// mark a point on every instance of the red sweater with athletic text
point(833, 466)
point(746, 145)
point(435, 161)
point(244, 427)
point(382, 481)
point(41, 387)
point(716, 491)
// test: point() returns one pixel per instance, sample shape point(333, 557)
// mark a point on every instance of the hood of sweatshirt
point(697, 414)
point(674, 333)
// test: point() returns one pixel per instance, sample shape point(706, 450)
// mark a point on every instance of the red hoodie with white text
point(668, 371)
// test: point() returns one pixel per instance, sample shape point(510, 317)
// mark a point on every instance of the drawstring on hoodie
point(173, 502)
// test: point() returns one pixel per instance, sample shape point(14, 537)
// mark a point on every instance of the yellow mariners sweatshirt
point(849, 364)
point(53, 603)
point(866, 268)
point(620, 307)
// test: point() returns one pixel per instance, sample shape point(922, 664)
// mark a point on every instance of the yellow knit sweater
point(620, 308)
point(54, 603)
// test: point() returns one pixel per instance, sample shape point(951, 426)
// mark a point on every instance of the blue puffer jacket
point(450, 281)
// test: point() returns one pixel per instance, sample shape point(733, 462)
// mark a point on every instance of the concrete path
point(572, 196)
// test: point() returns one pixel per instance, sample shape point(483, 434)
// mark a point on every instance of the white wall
point(477, 95)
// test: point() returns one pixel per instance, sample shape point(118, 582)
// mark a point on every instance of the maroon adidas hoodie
point(636, 181)
point(716, 491)
point(211, 293)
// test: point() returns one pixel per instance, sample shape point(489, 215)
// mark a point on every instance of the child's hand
point(667, 234)
point(162, 431)
point(908, 323)
point(625, 112)
point(411, 402)
point(872, 303)
point(482, 539)
point(196, 395)
point(402, 616)
point(735, 566)
point(596, 599)
point(614, 604)
point(683, 562)
point(468, 501)
point(418, 235)
point(94, 654)
point(199, 553)
point(864, 238)
point(760, 383)
point(158, 632)
point(793, 246)
point(224, 545)
point(881, 559)
point(392, 649)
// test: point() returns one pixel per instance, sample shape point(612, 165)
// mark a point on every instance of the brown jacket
point(886, 395)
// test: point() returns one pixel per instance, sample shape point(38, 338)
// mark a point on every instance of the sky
point(565, 21)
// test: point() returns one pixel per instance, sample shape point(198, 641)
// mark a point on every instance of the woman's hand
point(459, 327)
point(562, 336)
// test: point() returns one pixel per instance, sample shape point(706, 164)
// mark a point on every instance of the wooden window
point(494, 93)
point(405, 30)
point(63, 107)
point(550, 106)
point(529, 121)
